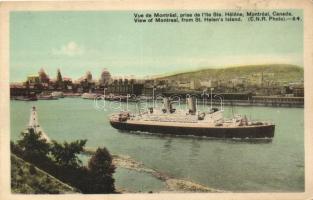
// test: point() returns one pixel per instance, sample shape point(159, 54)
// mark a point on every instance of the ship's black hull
point(262, 131)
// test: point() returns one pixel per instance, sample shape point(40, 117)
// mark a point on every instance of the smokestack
point(191, 105)
point(167, 104)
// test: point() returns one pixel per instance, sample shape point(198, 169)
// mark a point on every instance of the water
point(134, 181)
point(238, 166)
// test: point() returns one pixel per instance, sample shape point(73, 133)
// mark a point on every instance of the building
point(88, 77)
point(298, 91)
point(189, 85)
point(59, 81)
point(33, 80)
point(68, 83)
point(278, 101)
point(105, 77)
point(85, 83)
point(125, 86)
point(206, 83)
point(18, 89)
point(43, 76)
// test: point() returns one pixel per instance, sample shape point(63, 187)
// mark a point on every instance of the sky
point(80, 41)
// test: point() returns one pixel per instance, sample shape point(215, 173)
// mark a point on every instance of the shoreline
point(172, 184)
point(267, 101)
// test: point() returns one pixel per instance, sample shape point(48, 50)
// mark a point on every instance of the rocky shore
point(172, 184)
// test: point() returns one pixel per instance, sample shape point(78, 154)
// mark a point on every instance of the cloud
point(70, 49)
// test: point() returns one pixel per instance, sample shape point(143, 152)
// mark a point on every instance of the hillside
point(28, 179)
point(281, 73)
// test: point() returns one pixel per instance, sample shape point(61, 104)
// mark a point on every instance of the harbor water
point(275, 165)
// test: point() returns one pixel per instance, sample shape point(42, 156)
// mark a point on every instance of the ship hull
point(261, 131)
point(26, 98)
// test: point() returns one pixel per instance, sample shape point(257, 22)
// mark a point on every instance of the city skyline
point(77, 42)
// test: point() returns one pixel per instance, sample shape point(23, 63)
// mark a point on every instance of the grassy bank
point(28, 179)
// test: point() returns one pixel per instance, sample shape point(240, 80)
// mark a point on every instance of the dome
point(105, 76)
point(43, 76)
point(88, 76)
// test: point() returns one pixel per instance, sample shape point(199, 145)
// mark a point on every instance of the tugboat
point(191, 122)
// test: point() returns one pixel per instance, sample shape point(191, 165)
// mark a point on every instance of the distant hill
point(281, 73)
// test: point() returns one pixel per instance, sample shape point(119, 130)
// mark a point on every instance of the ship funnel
point(191, 105)
point(167, 105)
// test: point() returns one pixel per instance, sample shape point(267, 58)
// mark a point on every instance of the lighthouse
point(33, 124)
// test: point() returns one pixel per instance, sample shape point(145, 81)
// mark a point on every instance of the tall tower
point(33, 124)
point(59, 76)
point(59, 81)
point(43, 77)
point(88, 76)
point(33, 119)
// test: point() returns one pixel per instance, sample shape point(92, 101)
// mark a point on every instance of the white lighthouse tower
point(33, 124)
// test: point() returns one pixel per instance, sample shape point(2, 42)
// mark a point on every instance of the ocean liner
point(212, 123)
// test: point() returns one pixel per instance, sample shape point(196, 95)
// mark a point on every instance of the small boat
point(73, 95)
point(47, 97)
point(120, 98)
point(89, 95)
point(57, 94)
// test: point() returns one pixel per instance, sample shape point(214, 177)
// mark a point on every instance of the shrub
point(66, 154)
point(34, 147)
point(61, 160)
point(101, 169)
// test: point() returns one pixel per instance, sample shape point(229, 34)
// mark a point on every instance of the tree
point(16, 149)
point(59, 81)
point(61, 160)
point(101, 171)
point(59, 76)
point(66, 154)
point(34, 147)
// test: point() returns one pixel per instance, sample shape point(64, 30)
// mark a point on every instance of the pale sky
point(77, 42)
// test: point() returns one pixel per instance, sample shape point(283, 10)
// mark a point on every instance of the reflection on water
point(194, 150)
point(167, 147)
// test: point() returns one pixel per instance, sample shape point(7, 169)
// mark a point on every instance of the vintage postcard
point(156, 100)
